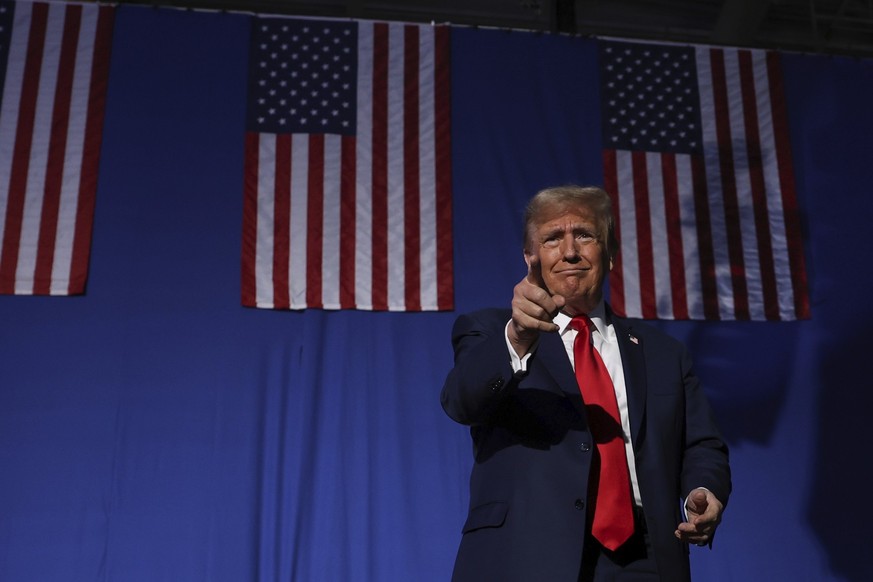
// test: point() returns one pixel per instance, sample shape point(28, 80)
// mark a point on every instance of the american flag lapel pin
point(633, 338)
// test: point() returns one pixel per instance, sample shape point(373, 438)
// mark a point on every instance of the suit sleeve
point(705, 459)
point(482, 375)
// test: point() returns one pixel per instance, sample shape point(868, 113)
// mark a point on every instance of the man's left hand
point(704, 514)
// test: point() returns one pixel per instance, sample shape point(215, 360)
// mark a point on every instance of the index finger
point(535, 275)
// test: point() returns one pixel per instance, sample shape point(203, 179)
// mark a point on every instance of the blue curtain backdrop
point(155, 430)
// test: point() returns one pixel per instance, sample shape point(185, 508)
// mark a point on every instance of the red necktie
point(613, 516)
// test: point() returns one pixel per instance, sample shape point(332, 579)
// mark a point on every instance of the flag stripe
point(426, 168)
point(705, 242)
point(735, 267)
point(791, 212)
point(364, 167)
point(411, 175)
point(757, 187)
point(15, 208)
point(298, 262)
point(395, 131)
point(674, 238)
point(39, 146)
point(50, 133)
point(93, 81)
point(56, 152)
point(630, 245)
point(314, 222)
point(616, 278)
point(644, 234)
point(710, 168)
point(250, 223)
point(772, 196)
point(690, 246)
point(713, 205)
point(744, 224)
point(330, 212)
point(282, 223)
point(267, 163)
point(380, 167)
point(332, 229)
point(12, 82)
point(662, 299)
point(348, 220)
point(443, 167)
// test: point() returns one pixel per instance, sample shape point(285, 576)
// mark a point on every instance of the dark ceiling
point(822, 26)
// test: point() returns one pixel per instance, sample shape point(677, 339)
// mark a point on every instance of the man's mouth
point(572, 271)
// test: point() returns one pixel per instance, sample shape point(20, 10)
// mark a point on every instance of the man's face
point(566, 255)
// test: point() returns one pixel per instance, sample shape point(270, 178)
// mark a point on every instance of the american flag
point(54, 61)
point(696, 155)
point(347, 201)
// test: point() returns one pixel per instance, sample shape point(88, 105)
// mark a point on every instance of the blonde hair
point(590, 197)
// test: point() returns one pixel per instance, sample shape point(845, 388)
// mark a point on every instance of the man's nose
point(570, 248)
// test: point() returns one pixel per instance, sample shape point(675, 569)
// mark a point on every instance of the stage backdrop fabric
point(155, 429)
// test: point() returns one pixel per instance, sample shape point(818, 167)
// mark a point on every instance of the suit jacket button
point(580, 504)
point(584, 447)
point(496, 384)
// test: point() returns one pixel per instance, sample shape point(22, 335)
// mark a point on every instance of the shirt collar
point(597, 315)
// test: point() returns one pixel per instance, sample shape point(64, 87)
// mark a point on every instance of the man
point(568, 485)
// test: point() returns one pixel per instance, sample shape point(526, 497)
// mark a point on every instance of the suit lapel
point(633, 363)
point(554, 363)
point(553, 356)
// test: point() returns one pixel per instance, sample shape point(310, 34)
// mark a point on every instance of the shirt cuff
point(684, 501)
point(519, 365)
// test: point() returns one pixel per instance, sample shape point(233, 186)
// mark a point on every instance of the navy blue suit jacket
point(532, 449)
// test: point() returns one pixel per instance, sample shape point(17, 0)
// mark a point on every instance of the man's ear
point(531, 258)
point(609, 257)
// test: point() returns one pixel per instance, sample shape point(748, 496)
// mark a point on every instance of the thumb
point(535, 273)
point(697, 501)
